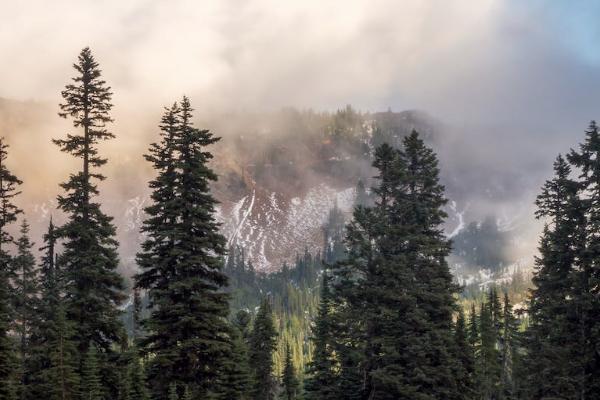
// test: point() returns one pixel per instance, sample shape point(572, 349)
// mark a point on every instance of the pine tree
point(236, 377)
point(288, 378)
point(173, 392)
point(489, 357)
point(474, 349)
point(321, 381)
point(511, 343)
point(397, 280)
point(552, 342)
point(8, 212)
point(136, 314)
point(91, 387)
point(263, 343)
point(182, 261)
point(136, 379)
point(93, 285)
point(466, 372)
point(585, 277)
point(25, 299)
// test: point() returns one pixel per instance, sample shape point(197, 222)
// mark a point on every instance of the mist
point(510, 83)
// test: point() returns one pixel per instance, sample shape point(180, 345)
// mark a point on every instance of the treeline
point(387, 325)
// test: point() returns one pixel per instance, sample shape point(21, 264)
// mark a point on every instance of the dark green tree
point(585, 278)
point(263, 342)
point(466, 372)
point(552, 339)
point(25, 300)
point(181, 263)
point(321, 381)
point(489, 357)
point(511, 349)
point(288, 377)
point(93, 287)
point(91, 386)
point(9, 184)
point(475, 348)
point(236, 378)
point(137, 389)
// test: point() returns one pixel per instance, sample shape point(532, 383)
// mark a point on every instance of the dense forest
point(375, 314)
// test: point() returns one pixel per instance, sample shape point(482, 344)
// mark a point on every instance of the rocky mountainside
point(280, 173)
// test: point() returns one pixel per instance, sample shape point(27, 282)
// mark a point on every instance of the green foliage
point(187, 333)
point(395, 295)
point(288, 377)
point(321, 381)
point(91, 386)
point(9, 211)
point(263, 343)
point(93, 287)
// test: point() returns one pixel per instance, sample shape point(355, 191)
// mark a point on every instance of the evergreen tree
point(288, 378)
point(397, 279)
point(585, 277)
point(321, 381)
point(466, 372)
point(181, 262)
point(173, 392)
point(51, 368)
point(136, 314)
point(263, 342)
point(93, 286)
point(25, 298)
point(474, 349)
point(489, 357)
point(552, 339)
point(136, 379)
point(510, 347)
point(8, 213)
point(91, 387)
point(236, 377)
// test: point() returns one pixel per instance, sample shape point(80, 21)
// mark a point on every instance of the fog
point(511, 83)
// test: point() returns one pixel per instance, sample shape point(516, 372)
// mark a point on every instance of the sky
point(527, 62)
point(513, 82)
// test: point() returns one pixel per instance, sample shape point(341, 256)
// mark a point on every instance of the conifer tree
point(136, 379)
point(585, 277)
point(25, 299)
point(8, 214)
point(91, 386)
point(552, 340)
point(474, 349)
point(136, 314)
point(321, 381)
point(288, 377)
point(263, 342)
point(236, 377)
point(93, 286)
point(182, 261)
point(173, 392)
point(510, 347)
point(489, 357)
point(397, 280)
point(466, 372)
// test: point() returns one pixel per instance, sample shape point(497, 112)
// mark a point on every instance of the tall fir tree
point(464, 352)
point(25, 300)
point(52, 365)
point(289, 380)
point(396, 279)
point(321, 381)
point(181, 262)
point(91, 386)
point(511, 349)
point(263, 342)
point(9, 184)
point(552, 339)
point(474, 348)
point(93, 287)
point(236, 377)
point(586, 274)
